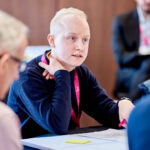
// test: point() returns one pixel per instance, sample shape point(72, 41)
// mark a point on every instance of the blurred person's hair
point(11, 32)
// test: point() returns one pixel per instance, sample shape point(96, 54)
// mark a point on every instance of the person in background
point(13, 41)
point(138, 125)
point(56, 87)
point(131, 47)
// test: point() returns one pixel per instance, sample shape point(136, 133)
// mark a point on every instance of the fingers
point(51, 68)
point(47, 77)
point(123, 123)
point(46, 74)
point(43, 65)
point(51, 77)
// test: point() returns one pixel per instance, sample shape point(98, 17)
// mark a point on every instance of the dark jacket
point(45, 105)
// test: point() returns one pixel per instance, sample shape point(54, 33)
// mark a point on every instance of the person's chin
point(78, 64)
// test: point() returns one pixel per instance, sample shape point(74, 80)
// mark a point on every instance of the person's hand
point(50, 69)
point(125, 107)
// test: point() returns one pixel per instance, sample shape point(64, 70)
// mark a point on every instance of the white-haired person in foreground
point(13, 41)
point(53, 102)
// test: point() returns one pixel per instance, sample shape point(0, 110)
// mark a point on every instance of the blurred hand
point(125, 108)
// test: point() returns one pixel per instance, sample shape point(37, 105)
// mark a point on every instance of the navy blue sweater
point(44, 106)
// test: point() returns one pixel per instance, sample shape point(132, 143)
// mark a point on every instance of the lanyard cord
point(77, 91)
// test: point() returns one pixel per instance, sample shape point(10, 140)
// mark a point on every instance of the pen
point(122, 122)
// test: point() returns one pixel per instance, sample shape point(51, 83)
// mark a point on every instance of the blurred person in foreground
point(139, 125)
point(13, 41)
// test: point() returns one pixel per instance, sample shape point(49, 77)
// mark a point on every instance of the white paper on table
point(102, 140)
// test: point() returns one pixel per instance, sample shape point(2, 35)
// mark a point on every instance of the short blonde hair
point(63, 12)
point(11, 30)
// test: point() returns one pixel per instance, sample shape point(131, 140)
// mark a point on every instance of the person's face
point(10, 69)
point(72, 42)
point(145, 5)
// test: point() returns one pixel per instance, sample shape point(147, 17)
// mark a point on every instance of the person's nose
point(79, 44)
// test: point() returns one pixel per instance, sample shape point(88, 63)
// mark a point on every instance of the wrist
point(124, 99)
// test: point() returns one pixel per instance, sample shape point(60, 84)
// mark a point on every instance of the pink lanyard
point(77, 90)
point(144, 38)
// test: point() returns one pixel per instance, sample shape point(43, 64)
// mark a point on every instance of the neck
point(68, 67)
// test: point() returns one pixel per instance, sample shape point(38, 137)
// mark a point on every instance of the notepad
point(76, 141)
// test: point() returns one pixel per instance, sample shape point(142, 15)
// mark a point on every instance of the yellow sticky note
point(76, 141)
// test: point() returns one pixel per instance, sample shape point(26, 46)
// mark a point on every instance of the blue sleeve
point(138, 130)
point(145, 87)
point(98, 104)
point(47, 102)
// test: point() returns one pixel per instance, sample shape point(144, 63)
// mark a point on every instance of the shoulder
point(29, 80)
point(5, 111)
point(141, 109)
point(83, 68)
point(127, 16)
point(9, 119)
point(9, 128)
point(84, 71)
point(33, 71)
point(142, 106)
point(33, 65)
point(85, 74)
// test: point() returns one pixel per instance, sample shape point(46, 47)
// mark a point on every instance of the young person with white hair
point(56, 87)
point(13, 41)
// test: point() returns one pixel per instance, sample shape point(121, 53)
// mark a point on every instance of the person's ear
point(50, 39)
point(4, 62)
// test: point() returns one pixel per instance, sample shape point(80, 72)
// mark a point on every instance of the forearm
point(61, 102)
point(47, 102)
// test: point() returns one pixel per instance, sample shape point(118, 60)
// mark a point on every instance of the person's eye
point(72, 38)
point(85, 40)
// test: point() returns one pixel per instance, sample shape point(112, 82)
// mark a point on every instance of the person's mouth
point(77, 55)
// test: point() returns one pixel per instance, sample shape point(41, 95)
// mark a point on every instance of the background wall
point(38, 13)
